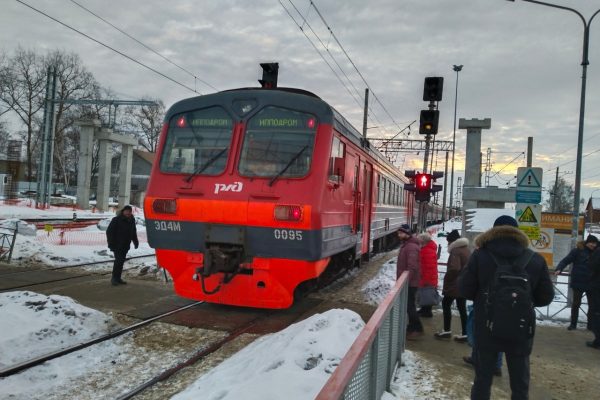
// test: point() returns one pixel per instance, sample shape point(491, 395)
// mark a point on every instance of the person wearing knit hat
point(120, 233)
point(580, 275)
point(504, 248)
point(409, 261)
point(452, 236)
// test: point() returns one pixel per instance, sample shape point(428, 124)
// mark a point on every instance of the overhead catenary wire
point(109, 47)
point(354, 65)
point(324, 59)
point(371, 113)
point(144, 45)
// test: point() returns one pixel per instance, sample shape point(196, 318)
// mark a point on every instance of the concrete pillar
point(473, 155)
point(125, 175)
point(104, 172)
point(84, 165)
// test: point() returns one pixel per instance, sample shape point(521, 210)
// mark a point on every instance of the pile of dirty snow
point(34, 324)
point(294, 363)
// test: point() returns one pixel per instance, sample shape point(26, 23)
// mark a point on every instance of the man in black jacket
point(506, 242)
point(120, 233)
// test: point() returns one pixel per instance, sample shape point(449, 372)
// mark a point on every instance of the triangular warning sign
point(529, 180)
point(528, 216)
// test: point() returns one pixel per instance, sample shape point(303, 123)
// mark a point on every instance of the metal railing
point(8, 237)
point(367, 369)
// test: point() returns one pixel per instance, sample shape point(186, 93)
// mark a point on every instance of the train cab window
point(337, 164)
point(278, 142)
point(198, 142)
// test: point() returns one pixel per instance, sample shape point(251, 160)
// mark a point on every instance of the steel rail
point(42, 359)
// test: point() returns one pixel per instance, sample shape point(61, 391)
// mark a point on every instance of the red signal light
point(423, 181)
point(287, 213)
point(311, 123)
point(181, 122)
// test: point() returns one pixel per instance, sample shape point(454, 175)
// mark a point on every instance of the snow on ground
point(61, 247)
point(25, 209)
point(35, 324)
point(414, 380)
point(296, 361)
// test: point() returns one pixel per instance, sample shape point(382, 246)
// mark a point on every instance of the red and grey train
point(256, 193)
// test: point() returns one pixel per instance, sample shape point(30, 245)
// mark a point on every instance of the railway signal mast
point(422, 183)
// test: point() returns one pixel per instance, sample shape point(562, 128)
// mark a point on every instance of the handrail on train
point(366, 370)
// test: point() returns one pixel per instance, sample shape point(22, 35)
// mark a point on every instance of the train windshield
point(198, 142)
point(278, 143)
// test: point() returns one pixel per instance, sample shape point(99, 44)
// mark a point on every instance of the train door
point(366, 179)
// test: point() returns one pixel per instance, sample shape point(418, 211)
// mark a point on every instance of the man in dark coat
point(504, 241)
point(594, 299)
point(409, 260)
point(580, 274)
point(120, 233)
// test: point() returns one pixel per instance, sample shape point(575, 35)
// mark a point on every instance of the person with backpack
point(506, 281)
point(580, 275)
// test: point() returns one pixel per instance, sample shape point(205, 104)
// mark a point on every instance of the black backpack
point(509, 310)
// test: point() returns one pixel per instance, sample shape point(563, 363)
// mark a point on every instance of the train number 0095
point(287, 234)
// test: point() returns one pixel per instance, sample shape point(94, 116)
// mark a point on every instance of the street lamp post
point(584, 63)
point(456, 68)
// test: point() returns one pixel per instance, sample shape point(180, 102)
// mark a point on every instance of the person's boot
point(572, 327)
point(114, 282)
point(121, 282)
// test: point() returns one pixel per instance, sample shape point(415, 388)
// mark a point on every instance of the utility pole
point(44, 172)
point(445, 185)
point(555, 192)
point(366, 112)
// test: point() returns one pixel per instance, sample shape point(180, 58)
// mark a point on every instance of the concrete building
point(592, 211)
point(140, 175)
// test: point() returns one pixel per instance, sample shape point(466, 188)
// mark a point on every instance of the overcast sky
point(521, 62)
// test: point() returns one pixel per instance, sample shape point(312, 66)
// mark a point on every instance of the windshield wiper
point(202, 168)
point(289, 164)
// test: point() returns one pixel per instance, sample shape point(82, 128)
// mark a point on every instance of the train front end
point(230, 207)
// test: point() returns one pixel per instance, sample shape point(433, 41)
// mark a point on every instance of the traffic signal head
point(422, 187)
point(269, 78)
point(436, 175)
point(433, 88)
point(428, 123)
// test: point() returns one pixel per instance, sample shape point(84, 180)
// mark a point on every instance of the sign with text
point(529, 218)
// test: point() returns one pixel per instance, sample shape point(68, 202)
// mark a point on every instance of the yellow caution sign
point(528, 216)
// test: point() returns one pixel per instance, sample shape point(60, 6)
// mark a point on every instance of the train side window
point(337, 161)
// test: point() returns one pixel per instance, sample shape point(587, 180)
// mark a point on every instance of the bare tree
point(145, 123)
point(21, 91)
point(74, 81)
point(561, 197)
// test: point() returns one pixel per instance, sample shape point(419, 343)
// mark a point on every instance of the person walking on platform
point(506, 281)
point(429, 269)
point(458, 248)
point(580, 275)
point(594, 299)
point(120, 233)
point(409, 260)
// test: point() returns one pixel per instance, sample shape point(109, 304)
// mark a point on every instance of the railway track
point(196, 357)
point(31, 271)
point(42, 359)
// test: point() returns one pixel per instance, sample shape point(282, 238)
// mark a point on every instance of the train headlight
point(164, 206)
point(288, 213)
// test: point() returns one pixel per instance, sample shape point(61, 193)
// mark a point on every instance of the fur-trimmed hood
point(502, 232)
point(462, 242)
